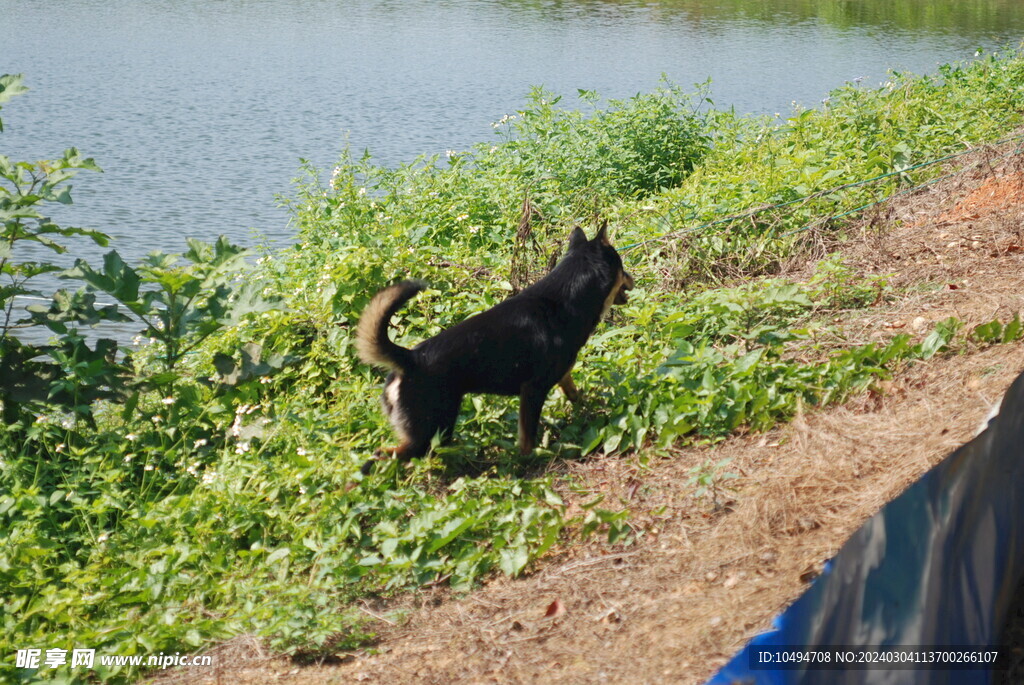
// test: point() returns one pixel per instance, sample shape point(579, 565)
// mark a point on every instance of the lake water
point(200, 110)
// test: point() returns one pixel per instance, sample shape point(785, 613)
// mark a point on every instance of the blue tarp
point(938, 566)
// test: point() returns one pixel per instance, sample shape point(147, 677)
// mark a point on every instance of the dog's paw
point(379, 455)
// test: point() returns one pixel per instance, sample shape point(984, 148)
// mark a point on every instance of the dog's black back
point(522, 346)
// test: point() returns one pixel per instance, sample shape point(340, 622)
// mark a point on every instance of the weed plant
point(207, 484)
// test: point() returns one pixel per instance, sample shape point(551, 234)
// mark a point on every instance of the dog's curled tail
point(372, 342)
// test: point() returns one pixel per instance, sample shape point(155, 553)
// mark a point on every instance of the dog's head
point(602, 246)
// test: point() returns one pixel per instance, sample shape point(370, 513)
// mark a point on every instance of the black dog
point(522, 346)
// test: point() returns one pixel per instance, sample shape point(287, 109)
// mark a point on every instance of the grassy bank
point(209, 485)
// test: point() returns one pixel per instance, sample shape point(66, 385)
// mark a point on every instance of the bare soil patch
point(701, 579)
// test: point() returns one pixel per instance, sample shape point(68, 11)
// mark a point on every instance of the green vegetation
point(970, 17)
point(207, 483)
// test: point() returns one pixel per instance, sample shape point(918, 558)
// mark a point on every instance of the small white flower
point(201, 442)
point(302, 490)
point(242, 448)
point(128, 458)
point(167, 400)
point(148, 467)
point(131, 437)
point(209, 477)
point(60, 447)
point(301, 451)
point(462, 217)
point(102, 538)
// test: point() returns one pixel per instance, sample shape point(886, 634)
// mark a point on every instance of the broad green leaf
point(277, 555)
point(514, 559)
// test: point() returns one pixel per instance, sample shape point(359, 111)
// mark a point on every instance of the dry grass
point(701, 580)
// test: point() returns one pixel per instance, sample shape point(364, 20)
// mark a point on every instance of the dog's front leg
point(531, 401)
point(569, 388)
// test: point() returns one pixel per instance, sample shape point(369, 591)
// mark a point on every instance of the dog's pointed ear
point(577, 238)
point(602, 234)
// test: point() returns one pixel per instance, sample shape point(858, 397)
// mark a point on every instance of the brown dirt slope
point(701, 581)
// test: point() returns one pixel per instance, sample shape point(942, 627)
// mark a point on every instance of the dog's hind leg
point(569, 388)
point(531, 401)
